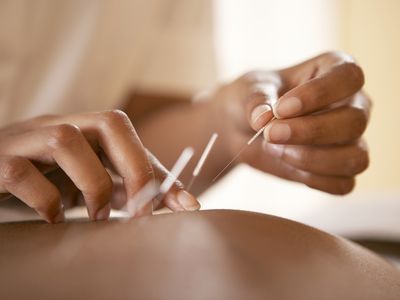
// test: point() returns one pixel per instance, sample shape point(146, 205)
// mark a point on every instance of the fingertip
point(287, 107)
point(54, 213)
point(59, 218)
point(277, 132)
point(103, 213)
point(260, 115)
point(188, 201)
point(171, 201)
point(266, 133)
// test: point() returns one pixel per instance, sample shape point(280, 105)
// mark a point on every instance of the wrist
point(217, 118)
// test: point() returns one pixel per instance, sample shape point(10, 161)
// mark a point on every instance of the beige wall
point(368, 29)
point(371, 32)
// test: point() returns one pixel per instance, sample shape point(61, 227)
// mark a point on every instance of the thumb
point(258, 106)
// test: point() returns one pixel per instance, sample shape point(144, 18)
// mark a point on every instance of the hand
point(321, 114)
point(85, 150)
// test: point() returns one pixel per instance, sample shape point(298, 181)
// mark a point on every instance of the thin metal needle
point(176, 170)
point(233, 159)
point(143, 196)
point(202, 160)
point(153, 190)
point(189, 186)
point(249, 142)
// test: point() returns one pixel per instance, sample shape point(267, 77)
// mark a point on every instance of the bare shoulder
point(217, 254)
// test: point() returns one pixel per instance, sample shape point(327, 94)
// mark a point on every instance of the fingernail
point(59, 218)
point(258, 116)
point(277, 132)
point(188, 201)
point(103, 213)
point(173, 203)
point(288, 107)
point(275, 149)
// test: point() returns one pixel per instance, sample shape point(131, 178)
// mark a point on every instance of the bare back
point(203, 255)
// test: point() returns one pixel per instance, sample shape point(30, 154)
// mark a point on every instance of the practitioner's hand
point(83, 153)
point(321, 115)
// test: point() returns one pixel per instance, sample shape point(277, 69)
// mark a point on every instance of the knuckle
point(347, 62)
point(243, 84)
point(355, 73)
point(358, 163)
point(249, 77)
point(336, 56)
point(359, 123)
point(333, 57)
point(258, 80)
point(345, 186)
point(114, 117)
point(63, 135)
point(14, 169)
point(363, 163)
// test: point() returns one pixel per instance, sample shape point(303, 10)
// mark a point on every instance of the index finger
point(333, 77)
point(262, 90)
point(116, 136)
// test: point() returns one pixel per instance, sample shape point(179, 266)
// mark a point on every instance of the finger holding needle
point(153, 190)
point(249, 142)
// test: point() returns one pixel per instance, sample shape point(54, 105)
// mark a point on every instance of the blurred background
point(222, 39)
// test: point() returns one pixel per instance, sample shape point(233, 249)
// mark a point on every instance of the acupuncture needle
point(202, 160)
point(249, 142)
point(143, 196)
point(153, 190)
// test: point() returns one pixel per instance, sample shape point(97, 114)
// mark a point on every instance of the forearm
point(171, 128)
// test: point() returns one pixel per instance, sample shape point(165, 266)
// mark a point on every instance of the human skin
point(316, 139)
point(218, 254)
point(84, 152)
